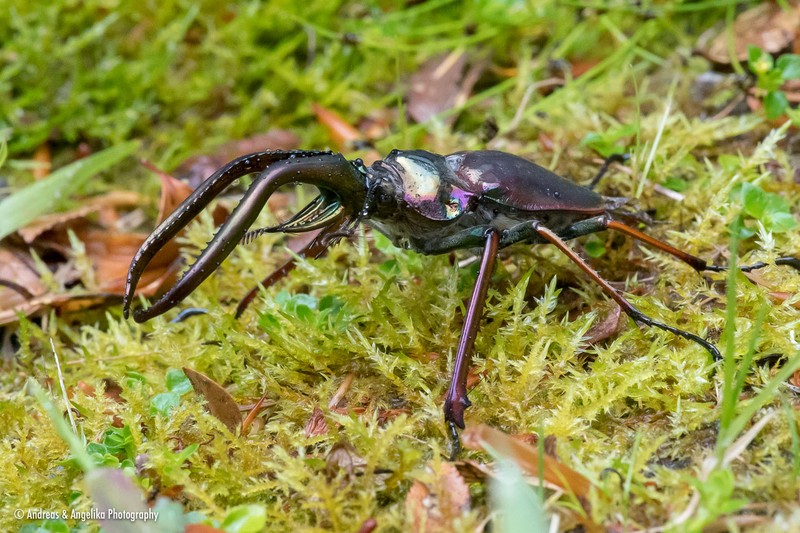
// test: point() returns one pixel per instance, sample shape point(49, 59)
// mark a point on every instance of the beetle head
point(413, 181)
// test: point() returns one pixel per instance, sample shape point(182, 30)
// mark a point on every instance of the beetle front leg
point(314, 250)
point(456, 400)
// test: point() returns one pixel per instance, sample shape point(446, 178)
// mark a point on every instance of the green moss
point(183, 79)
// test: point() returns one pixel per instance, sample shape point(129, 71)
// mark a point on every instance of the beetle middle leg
point(456, 400)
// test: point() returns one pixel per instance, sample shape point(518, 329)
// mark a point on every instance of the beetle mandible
point(422, 201)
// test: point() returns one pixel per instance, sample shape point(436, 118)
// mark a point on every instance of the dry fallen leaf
point(77, 216)
point(316, 424)
point(345, 136)
point(62, 303)
point(473, 471)
point(437, 505)
point(609, 322)
point(767, 26)
point(218, 402)
point(343, 456)
point(19, 280)
point(196, 169)
point(253, 412)
point(441, 84)
point(527, 458)
point(111, 254)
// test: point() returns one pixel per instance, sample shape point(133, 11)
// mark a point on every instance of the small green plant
point(116, 450)
point(770, 76)
point(611, 141)
point(177, 385)
point(770, 209)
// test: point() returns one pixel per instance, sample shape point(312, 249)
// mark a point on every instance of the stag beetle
point(422, 201)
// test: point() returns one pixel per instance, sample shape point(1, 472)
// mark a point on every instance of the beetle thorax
point(419, 183)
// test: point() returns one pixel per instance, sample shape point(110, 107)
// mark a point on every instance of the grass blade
point(44, 196)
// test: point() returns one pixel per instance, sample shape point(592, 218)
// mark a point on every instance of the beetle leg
point(624, 304)
point(466, 238)
point(613, 158)
point(793, 262)
point(456, 400)
point(315, 249)
point(693, 261)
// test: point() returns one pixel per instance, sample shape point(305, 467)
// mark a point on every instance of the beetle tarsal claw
point(455, 440)
point(638, 316)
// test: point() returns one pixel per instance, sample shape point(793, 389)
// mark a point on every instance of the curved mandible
point(194, 204)
point(321, 169)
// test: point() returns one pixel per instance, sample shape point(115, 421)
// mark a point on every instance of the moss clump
point(186, 78)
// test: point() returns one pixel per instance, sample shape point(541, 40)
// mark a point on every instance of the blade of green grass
point(62, 428)
point(44, 196)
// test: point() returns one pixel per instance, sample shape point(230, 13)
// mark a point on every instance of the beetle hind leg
point(624, 304)
point(693, 261)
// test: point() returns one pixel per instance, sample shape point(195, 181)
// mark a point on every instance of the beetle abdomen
point(520, 184)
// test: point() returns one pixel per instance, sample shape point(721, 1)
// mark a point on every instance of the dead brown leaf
point(18, 269)
point(440, 85)
point(62, 303)
point(527, 458)
point(196, 169)
point(608, 323)
point(316, 424)
point(343, 456)
point(437, 505)
point(767, 26)
point(253, 412)
point(343, 133)
point(111, 254)
point(473, 471)
point(218, 402)
point(75, 217)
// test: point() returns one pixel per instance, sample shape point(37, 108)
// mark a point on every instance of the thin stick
point(63, 388)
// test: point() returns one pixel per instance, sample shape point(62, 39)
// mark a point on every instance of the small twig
point(341, 391)
point(63, 388)
point(253, 414)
